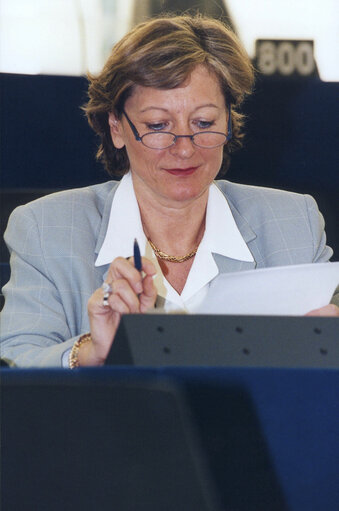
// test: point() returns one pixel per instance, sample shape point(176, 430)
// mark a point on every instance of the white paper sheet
point(281, 290)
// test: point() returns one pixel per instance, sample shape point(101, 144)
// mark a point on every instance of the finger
point(125, 293)
point(122, 268)
point(122, 300)
point(149, 295)
point(149, 288)
point(95, 303)
point(118, 305)
point(148, 267)
point(327, 310)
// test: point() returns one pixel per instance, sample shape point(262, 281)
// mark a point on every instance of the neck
point(174, 228)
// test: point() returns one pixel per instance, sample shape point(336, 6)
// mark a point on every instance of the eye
point(204, 124)
point(156, 126)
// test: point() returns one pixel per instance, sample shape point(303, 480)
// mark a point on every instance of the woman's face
point(182, 172)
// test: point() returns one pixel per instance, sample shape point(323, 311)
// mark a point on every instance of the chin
point(181, 193)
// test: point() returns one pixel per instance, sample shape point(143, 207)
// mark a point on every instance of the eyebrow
point(207, 105)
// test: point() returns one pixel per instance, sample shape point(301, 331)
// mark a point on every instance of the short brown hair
point(161, 53)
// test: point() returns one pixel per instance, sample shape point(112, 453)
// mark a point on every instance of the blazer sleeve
point(322, 252)
point(335, 297)
point(34, 327)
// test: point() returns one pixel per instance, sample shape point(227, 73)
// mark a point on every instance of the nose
point(183, 147)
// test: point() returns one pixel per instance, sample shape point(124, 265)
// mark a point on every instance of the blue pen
point(137, 257)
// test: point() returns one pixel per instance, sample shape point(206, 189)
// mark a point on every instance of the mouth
point(181, 172)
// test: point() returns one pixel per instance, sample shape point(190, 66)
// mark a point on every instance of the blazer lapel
point(226, 264)
point(106, 211)
point(103, 227)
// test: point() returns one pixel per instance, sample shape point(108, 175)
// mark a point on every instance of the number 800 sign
point(285, 58)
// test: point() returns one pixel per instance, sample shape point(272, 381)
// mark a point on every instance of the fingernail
point(139, 287)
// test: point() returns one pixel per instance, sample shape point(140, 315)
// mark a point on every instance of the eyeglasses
point(165, 139)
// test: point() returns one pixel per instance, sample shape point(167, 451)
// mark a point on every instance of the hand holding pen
point(128, 289)
point(131, 280)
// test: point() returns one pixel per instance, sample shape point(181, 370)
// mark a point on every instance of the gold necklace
point(171, 258)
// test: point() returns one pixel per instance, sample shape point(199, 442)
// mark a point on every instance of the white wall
point(292, 19)
point(58, 36)
point(73, 36)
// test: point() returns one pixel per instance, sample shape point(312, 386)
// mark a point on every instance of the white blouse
point(221, 236)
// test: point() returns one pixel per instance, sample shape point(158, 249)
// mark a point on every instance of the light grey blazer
point(54, 242)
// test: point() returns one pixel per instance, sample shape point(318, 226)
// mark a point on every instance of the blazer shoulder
point(240, 192)
point(86, 201)
point(90, 195)
point(261, 201)
point(283, 221)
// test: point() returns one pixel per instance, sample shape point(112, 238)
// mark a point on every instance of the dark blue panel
point(46, 141)
point(292, 138)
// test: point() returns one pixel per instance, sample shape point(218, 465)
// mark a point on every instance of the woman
point(165, 109)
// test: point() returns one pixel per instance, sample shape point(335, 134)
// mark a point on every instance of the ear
point(116, 129)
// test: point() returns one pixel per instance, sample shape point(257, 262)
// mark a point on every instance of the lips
point(181, 172)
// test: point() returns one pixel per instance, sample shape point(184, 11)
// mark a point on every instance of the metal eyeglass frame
point(139, 138)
